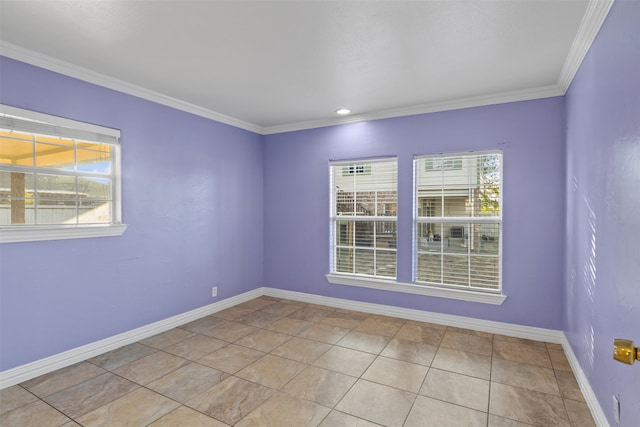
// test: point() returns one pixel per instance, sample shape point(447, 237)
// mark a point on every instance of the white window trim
point(17, 234)
point(495, 298)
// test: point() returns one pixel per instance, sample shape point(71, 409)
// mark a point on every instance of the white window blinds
point(364, 203)
point(458, 200)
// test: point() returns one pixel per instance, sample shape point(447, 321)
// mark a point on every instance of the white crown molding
point(594, 17)
point(590, 397)
point(458, 104)
point(52, 64)
point(31, 370)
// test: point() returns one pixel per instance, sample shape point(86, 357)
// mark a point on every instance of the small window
point(56, 173)
point(364, 205)
point(459, 220)
point(443, 163)
point(356, 170)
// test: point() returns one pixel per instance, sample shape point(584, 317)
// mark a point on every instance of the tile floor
point(272, 362)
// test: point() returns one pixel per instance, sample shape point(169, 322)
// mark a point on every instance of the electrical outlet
point(616, 410)
point(214, 291)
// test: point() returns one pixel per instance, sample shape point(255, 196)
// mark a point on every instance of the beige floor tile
point(527, 406)
point(14, 397)
point(524, 375)
point(263, 340)
point(569, 388)
point(523, 353)
point(187, 382)
point(232, 331)
point(470, 332)
point(230, 400)
point(154, 366)
point(36, 413)
point(410, 351)
point(377, 403)
point(302, 350)
point(418, 332)
point(196, 347)
point(379, 325)
point(259, 319)
point(121, 356)
point(344, 319)
point(56, 381)
point(168, 338)
point(340, 419)
point(467, 343)
point(320, 386)
point(364, 341)
point(396, 373)
point(91, 394)
point(272, 371)
point(471, 364)
point(553, 346)
point(289, 326)
point(278, 411)
point(309, 314)
point(324, 333)
point(249, 365)
point(205, 325)
point(496, 421)
point(559, 361)
point(345, 360)
point(428, 412)
point(231, 359)
point(579, 413)
point(498, 337)
point(138, 408)
point(186, 417)
point(281, 308)
point(458, 389)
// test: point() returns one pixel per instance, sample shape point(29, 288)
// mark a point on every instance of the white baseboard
point(43, 366)
point(589, 396)
point(31, 370)
point(528, 332)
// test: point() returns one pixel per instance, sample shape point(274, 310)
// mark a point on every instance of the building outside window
point(458, 220)
point(364, 217)
point(56, 173)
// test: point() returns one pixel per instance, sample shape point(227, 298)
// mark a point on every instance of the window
point(364, 205)
point(458, 220)
point(57, 174)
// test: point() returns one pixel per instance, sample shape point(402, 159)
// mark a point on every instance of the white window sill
point(34, 234)
point(410, 288)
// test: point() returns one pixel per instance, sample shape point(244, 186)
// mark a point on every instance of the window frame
point(70, 129)
point(352, 168)
point(393, 285)
point(462, 222)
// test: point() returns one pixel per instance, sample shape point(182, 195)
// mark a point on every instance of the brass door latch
point(625, 352)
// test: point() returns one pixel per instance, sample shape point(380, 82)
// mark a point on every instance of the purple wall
point(192, 197)
point(532, 133)
point(603, 209)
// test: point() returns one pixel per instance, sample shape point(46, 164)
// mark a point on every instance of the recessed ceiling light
point(343, 111)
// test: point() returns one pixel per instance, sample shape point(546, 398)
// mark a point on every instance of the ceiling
point(273, 66)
